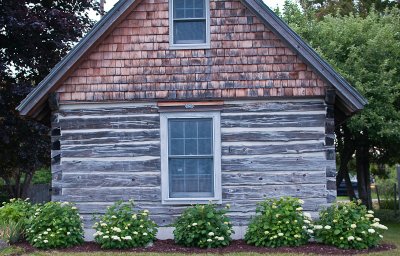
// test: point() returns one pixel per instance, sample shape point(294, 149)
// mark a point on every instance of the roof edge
point(352, 99)
point(37, 94)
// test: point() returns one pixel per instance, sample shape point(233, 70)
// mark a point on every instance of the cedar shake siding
point(110, 152)
point(246, 60)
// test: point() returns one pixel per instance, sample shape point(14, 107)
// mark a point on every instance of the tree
point(34, 36)
point(346, 7)
point(366, 51)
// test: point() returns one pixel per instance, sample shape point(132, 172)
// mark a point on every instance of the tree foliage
point(365, 50)
point(34, 36)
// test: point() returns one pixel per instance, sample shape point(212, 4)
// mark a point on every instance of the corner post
point(330, 97)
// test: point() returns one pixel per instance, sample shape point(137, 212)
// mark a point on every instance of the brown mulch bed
point(169, 246)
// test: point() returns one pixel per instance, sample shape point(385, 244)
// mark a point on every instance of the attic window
point(189, 24)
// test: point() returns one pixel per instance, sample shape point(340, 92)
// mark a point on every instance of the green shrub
point(16, 210)
point(280, 222)
point(55, 225)
point(203, 226)
point(349, 225)
point(121, 227)
point(11, 231)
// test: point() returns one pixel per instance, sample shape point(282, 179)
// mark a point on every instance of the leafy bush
point(121, 227)
point(16, 210)
point(55, 225)
point(280, 222)
point(349, 225)
point(203, 226)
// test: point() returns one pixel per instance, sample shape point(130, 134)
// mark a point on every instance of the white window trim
point(216, 117)
point(206, 45)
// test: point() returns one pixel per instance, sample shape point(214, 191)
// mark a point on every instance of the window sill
point(189, 46)
point(184, 201)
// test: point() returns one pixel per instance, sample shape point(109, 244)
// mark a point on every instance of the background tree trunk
point(346, 150)
point(363, 173)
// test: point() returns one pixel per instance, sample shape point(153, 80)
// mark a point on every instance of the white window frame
point(216, 118)
point(205, 45)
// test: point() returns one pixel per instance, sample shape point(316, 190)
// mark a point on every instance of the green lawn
point(391, 236)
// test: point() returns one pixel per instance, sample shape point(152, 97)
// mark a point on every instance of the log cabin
point(179, 102)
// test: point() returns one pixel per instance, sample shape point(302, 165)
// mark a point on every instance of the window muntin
point(190, 159)
point(189, 22)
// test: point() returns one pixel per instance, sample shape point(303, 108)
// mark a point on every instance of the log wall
point(107, 152)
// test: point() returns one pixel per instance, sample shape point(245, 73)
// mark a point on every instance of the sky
point(271, 3)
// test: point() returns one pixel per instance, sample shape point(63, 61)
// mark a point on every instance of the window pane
point(189, 32)
point(191, 147)
point(205, 129)
point(176, 129)
point(177, 147)
point(191, 129)
point(204, 147)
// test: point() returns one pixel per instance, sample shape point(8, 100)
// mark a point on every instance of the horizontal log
point(273, 149)
point(227, 136)
point(262, 192)
point(111, 122)
point(111, 150)
point(248, 120)
point(273, 178)
point(109, 137)
point(101, 180)
point(102, 111)
point(263, 164)
point(246, 207)
point(111, 194)
point(268, 106)
point(109, 167)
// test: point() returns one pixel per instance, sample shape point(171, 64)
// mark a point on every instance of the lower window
point(190, 144)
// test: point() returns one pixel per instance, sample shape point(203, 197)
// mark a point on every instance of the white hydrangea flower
point(380, 236)
point(113, 217)
point(74, 208)
point(103, 224)
point(371, 212)
point(307, 215)
point(369, 215)
point(128, 238)
point(376, 220)
point(327, 227)
point(211, 234)
point(350, 238)
point(194, 224)
point(134, 216)
point(353, 225)
point(145, 234)
point(310, 231)
point(280, 234)
point(221, 238)
point(359, 239)
point(209, 240)
point(318, 227)
point(135, 233)
point(371, 230)
point(307, 221)
point(301, 201)
point(299, 209)
point(45, 241)
point(266, 232)
point(45, 232)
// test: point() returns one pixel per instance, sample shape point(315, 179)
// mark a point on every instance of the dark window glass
point(189, 21)
point(191, 168)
